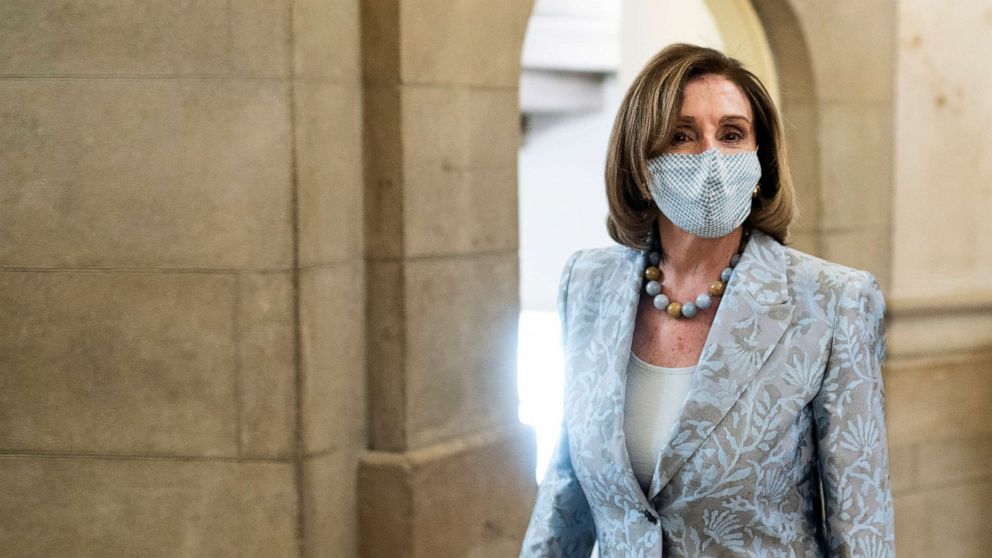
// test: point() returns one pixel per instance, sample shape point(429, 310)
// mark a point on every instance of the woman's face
point(715, 113)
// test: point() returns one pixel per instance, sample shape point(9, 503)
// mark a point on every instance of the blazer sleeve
point(851, 434)
point(561, 524)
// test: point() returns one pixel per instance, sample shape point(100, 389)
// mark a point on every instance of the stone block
point(145, 173)
point(955, 460)
point(865, 248)
point(950, 521)
point(329, 170)
point(460, 173)
point(136, 38)
point(469, 497)
point(942, 203)
point(459, 346)
point(856, 163)
point(903, 468)
point(332, 310)
point(84, 507)
point(387, 378)
point(127, 363)
point(840, 32)
point(801, 124)
point(327, 39)
point(331, 505)
point(266, 364)
point(929, 401)
point(384, 172)
point(381, 42)
point(462, 41)
point(938, 329)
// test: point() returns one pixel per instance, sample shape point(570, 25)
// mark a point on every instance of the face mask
point(706, 194)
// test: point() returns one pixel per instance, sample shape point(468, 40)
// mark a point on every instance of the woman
point(723, 391)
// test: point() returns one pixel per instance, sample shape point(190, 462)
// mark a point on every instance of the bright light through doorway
point(540, 372)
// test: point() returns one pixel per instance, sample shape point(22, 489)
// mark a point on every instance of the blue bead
point(661, 302)
point(725, 274)
point(688, 309)
point(654, 258)
point(703, 301)
point(653, 288)
point(734, 260)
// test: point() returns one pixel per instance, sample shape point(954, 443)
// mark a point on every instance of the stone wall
point(181, 266)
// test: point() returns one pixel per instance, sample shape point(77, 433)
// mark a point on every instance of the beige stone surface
point(801, 124)
point(380, 42)
point(954, 328)
point(144, 37)
point(384, 171)
point(856, 164)
point(460, 183)
point(471, 497)
point(864, 248)
point(460, 345)
point(444, 41)
point(332, 323)
point(852, 46)
point(956, 460)
point(903, 465)
point(329, 170)
point(933, 402)
point(327, 39)
point(96, 508)
point(107, 362)
point(387, 380)
point(951, 521)
point(793, 60)
point(266, 384)
point(460, 211)
point(805, 241)
point(150, 173)
point(330, 505)
point(943, 173)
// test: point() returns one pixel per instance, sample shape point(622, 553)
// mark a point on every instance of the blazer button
point(650, 516)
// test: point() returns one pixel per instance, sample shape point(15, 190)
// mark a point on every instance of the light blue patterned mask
point(707, 194)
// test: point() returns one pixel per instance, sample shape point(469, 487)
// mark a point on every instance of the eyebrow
point(723, 119)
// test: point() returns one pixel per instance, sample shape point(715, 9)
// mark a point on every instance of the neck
point(692, 260)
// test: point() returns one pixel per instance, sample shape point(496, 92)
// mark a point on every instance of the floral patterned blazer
point(780, 446)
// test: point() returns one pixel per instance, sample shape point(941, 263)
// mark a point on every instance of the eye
point(680, 136)
point(733, 135)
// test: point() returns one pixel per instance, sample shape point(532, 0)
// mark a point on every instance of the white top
point(654, 397)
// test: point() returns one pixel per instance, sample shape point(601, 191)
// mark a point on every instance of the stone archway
point(839, 118)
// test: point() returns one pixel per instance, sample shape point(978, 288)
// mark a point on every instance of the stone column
point(450, 471)
point(147, 369)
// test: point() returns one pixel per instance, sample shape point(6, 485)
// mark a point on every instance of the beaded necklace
point(653, 279)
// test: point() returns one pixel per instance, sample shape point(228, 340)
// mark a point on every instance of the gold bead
point(716, 288)
point(652, 273)
point(674, 310)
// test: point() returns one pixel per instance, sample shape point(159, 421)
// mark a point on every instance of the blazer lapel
point(751, 318)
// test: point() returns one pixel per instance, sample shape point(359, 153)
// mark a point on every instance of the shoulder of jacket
point(593, 258)
point(839, 274)
point(846, 285)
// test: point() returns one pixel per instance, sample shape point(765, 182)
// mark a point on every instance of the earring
point(757, 190)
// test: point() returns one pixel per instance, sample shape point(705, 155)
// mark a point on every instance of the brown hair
point(644, 126)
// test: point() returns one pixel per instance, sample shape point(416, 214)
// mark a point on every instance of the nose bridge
point(708, 138)
point(708, 141)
